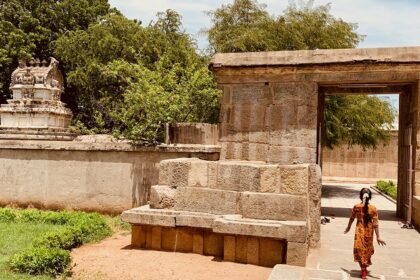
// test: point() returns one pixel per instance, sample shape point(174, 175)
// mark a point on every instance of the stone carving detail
point(36, 104)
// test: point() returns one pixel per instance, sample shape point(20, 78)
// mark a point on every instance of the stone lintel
point(308, 57)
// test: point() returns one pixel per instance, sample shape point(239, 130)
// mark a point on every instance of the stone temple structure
point(260, 203)
point(35, 111)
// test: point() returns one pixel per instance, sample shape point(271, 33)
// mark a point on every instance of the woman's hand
point(346, 230)
point(380, 241)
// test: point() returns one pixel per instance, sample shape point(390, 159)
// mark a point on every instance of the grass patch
point(38, 242)
point(16, 237)
point(388, 188)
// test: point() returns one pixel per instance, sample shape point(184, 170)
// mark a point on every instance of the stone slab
point(273, 206)
point(206, 200)
point(272, 252)
point(287, 272)
point(290, 230)
point(145, 218)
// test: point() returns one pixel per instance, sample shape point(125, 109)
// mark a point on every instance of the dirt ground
point(114, 259)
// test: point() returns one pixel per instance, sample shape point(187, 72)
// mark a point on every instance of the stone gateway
point(260, 203)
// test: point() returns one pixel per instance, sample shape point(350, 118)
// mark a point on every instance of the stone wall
point(105, 177)
point(192, 133)
point(354, 164)
point(273, 122)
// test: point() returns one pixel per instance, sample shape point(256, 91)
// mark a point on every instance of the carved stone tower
point(35, 111)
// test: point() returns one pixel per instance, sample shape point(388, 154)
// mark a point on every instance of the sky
point(386, 23)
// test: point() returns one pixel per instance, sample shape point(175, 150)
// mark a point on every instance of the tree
point(245, 25)
point(129, 80)
point(357, 120)
point(28, 29)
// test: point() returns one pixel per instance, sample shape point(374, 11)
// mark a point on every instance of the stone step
point(235, 175)
point(254, 205)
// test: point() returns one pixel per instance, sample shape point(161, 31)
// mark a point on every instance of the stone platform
point(248, 212)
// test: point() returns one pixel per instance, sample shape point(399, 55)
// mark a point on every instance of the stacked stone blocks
point(248, 212)
point(271, 122)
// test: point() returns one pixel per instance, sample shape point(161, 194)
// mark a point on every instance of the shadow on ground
point(386, 215)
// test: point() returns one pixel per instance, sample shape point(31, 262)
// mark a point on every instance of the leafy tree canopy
point(245, 25)
point(357, 120)
point(29, 28)
point(128, 79)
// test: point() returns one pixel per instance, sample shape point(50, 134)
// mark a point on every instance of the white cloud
point(385, 22)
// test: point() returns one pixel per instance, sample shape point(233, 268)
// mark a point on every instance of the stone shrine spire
point(35, 111)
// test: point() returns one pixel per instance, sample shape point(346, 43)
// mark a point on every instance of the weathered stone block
point(250, 117)
point(148, 218)
point(295, 231)
point(253, 251)
point(257, 152)
point(198, 174)
point(271, 252)
point(241, 249)
point(233, 150)
point(194, 220)
point(198, 242)
point(206, 200)
point(156, 238)
point(169, 238)
point(308, 116)
point(229, 248)
point(296, 253)
point(251, 94)
point(238, 176)
point(213, 244)
point(282, 116)
point(294, 179)
point(174, 172)
point(162, 197)
point(291, 155)
point(270, 179)
point(138, 236)
point(148, 237)
point(273, 206)
point(314, 182)
point(229, 133)
point(294, 137)
point(184, 242)
point(261, 137)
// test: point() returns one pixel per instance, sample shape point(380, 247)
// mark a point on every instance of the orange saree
point(363, 239)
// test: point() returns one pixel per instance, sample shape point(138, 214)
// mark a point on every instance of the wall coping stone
point(104, 146)
point(314, 57)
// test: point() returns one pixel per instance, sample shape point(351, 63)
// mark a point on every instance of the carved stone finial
point(37, 62)
point(53, 62)
point(32, 62)
point(44, 63)
point(22, 63)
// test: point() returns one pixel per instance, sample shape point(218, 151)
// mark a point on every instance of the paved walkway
point(400, 259)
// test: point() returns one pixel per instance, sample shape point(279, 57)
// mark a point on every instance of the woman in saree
point(367, 222)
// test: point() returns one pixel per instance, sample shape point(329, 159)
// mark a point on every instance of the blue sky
point(386, 23)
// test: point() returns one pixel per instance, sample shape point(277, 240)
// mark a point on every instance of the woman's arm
point(380, 241)
point(349, 225)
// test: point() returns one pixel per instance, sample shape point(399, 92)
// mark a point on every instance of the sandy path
point(114, 259)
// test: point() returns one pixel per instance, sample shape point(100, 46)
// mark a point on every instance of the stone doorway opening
point(401, 149)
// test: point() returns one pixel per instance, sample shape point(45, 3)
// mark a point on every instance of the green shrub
point(7, 215)
point(65, 238)
point(51, 261)
point(388, 188)
point(48, 254)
